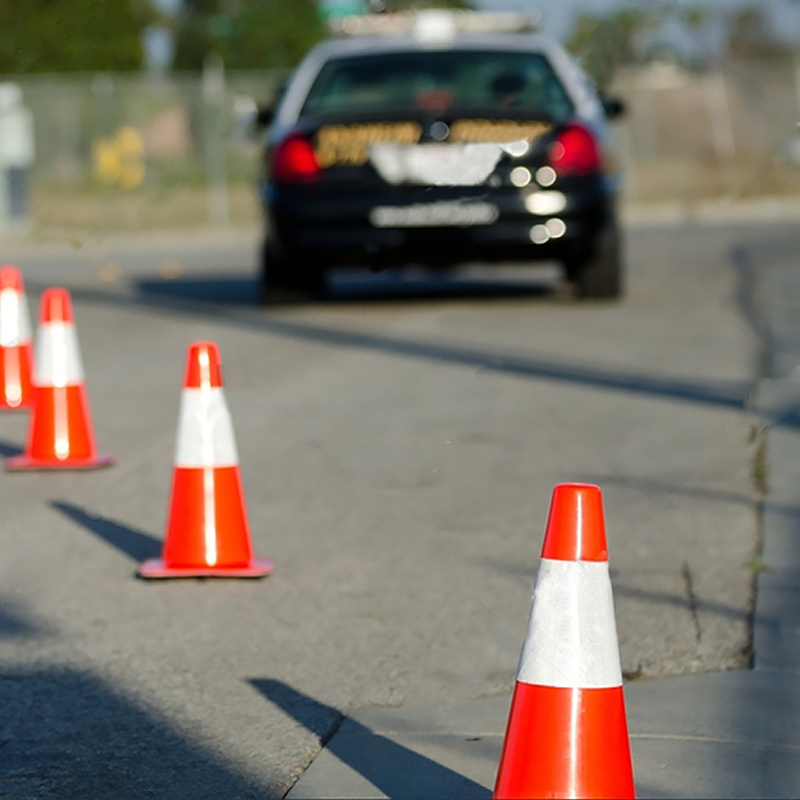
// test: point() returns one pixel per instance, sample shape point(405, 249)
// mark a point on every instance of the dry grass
point(691, 181)
point(56, 211)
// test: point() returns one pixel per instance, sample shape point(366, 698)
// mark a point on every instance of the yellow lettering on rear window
point(349, 144)
point(497, 130)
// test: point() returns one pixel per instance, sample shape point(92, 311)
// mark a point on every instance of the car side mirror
point(266, 113)
point(613, 107)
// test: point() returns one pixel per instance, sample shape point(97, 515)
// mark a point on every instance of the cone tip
point(203, 366)
point(56, 305)
point(11, 278)
point(576, 527)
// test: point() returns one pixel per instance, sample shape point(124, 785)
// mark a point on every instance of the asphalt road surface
point(398, 445)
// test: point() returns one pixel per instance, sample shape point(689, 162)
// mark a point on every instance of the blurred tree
point(253, 34)
point(248, 34)
point(191, 30)
point(72, 35)
point(603, 43)
point(698, 22)
point(749, 34)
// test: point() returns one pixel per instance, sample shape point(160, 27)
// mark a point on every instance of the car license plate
point(443, 213)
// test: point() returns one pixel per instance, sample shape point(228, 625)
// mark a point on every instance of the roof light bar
point(432, 23)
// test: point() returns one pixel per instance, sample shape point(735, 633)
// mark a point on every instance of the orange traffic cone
point(60, 433)
point(207, 529)
point(567, 733)
point(16, 346)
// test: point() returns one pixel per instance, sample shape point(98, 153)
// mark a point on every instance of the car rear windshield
point(439, 81)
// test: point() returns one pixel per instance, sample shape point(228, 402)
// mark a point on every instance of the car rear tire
point(600, 275)
point(285, 276)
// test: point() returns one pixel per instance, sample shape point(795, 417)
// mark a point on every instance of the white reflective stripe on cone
point(572, 638)
point(57, 359)
point(205, 431)
point(15, 324)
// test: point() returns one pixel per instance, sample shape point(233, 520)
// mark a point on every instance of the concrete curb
point(731, 735)
point(712, 212)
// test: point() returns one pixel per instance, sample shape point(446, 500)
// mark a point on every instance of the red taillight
point(294, 161)
point(574, 152)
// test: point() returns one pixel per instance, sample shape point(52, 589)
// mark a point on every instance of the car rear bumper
point(347, 229)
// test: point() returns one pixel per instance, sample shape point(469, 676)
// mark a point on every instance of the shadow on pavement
point(679, 490)
point(8, 449)
point(348, 286)
point(135, 544)
point(217, 289)
point(391, 768)
point(660, 598)
point(14, 623)
point(232, 299)
point(66, 734)
point(724, 393)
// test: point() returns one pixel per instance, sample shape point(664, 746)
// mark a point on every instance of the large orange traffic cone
point(60, 434)
point(16, 345)
point(207, 529)
point(567, 733)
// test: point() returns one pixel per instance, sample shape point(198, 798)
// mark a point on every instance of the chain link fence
point(125, 152)
point(690, 137)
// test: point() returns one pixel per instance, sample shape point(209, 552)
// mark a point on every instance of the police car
point(435, 138)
